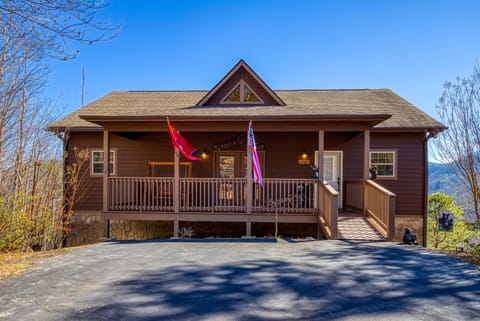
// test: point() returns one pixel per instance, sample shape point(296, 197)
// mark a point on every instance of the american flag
point(257, 169)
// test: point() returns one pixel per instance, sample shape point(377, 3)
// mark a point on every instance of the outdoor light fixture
point(204, 154)
point(304, 154)
point(303, 158)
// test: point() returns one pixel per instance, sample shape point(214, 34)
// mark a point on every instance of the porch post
point(106, 174)
point(249, 179)
point(366, 158)
point(106, 163)
point(366, 153)
point(321, 147)
point(176, 189)
point(176, 182)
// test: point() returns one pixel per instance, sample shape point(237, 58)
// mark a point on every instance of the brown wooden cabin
point(343, 132)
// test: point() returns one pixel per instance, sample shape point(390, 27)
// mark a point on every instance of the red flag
point(183, 145)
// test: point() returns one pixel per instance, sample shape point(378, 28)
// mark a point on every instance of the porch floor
point(354, 226)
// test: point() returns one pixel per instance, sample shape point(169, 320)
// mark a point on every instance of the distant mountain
point(441, 179)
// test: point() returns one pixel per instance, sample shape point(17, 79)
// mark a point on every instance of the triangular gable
point(245, 83)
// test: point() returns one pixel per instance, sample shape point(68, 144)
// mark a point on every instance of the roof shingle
point(314, 103)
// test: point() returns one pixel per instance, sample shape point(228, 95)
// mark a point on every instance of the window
point(385, 162)
point(97, 162)
point(241, 94)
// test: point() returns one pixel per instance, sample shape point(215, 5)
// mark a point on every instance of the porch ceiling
point(260, 125)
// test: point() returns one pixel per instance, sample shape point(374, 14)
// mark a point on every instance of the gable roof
point(299, 104)
point(231, 74)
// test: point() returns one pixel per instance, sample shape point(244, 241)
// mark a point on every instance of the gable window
point(385, 162)
point(97, 162)
point(241, 94)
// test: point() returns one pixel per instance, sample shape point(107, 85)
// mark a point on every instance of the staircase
point(355, 226)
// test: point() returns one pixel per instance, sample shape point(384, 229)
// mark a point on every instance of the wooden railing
point(380, 207)
point(354, 194)
point(286, 195)
point(212, 195)
point(140, 194)
point(328, 210)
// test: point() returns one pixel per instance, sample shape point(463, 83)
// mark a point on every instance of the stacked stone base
point(91, 228)
point(413, 222)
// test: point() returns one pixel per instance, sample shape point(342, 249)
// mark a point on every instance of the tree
point(436, 239)
point(459, 146)
point(34, 206)
point(53, 27)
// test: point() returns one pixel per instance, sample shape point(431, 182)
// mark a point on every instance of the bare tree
point(54, 27)
point(459, 146)
point(34, 206)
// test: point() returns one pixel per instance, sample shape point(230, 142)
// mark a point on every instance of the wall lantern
point(304, 159)
point(204, 154)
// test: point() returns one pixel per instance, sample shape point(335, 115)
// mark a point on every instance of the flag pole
point(248, 173)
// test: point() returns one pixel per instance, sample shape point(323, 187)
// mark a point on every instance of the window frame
point(241, 84)
point(112, 161)
point(394, 164)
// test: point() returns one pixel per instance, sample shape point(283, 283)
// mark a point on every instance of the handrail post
point(334, 216)
point(391, 218)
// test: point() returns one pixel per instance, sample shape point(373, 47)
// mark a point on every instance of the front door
point(332, 171)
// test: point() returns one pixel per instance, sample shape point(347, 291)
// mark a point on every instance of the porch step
point(357, 228)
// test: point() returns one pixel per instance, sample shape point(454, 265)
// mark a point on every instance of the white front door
point(332, 171)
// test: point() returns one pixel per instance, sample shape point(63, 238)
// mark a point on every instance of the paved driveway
point(244, 280)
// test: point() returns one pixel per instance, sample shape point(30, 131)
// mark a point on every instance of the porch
point(285, 200)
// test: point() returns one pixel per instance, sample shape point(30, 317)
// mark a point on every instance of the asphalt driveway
point(244, 280)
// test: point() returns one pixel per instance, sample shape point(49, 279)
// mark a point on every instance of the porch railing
point(212, 195)
point(328, 210)
point(380, 206)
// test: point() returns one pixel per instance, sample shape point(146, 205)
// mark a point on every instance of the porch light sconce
point(304, 154)
point(304, 159)
point(204, 154)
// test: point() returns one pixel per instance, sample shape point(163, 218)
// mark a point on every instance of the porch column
point(366, 158)
point(321, 147)
point(106, 174)
point(249, 179)
point(176, 181)
point(176, 189)
point(366, 153)
point(106, 163)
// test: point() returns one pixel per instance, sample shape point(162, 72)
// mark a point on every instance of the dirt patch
point(12, 263)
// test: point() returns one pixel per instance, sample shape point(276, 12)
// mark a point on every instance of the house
point(150, 190)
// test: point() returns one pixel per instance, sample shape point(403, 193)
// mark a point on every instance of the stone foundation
point(86, 228)
point(140, 230)
point(413, 222)
point(89, 228)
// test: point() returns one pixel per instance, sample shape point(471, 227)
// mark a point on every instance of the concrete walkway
point(244, 280)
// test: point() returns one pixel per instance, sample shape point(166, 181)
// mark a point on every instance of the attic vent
point(241, 94)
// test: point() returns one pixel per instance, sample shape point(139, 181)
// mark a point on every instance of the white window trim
point(242, 101)
point(395, 163)
point(94, 150)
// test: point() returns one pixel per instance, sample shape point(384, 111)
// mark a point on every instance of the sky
point(409, 46)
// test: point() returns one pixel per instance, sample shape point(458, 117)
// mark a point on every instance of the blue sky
point(409, 46)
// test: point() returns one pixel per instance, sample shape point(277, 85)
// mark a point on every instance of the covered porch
point(237, 199)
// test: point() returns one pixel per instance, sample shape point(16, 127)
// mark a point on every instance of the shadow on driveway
point(315, 281)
